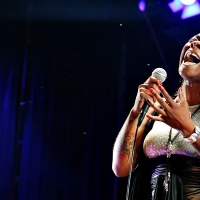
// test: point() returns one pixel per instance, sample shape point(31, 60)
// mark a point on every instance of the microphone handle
point(145, 108)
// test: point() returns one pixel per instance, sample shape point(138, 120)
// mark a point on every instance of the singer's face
point(189, 64)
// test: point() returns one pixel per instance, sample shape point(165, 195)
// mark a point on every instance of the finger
point(180, 95)
point(156, 108)
point(144, 90)
point(148, 97)
point(141, 103)
point(148, 85)
point(160, 100)
point(177, 100)
point(166, 95)
point(146, 94)
point(151, 82)
point(155, 118)
point(154, 80)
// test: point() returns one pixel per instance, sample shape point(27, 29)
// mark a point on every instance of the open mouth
point(191, 58)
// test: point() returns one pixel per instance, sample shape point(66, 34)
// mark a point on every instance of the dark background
point(69, 72)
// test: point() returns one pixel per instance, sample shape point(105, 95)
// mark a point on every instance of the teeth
point(189, 63)
point(191, 58)
point(188, 56)
point(194, 55)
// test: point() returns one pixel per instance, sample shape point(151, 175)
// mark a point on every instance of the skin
point(174, 113)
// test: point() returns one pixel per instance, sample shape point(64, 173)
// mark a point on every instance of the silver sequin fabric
point(155, 143)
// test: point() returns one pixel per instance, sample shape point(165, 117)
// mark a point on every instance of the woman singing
point(172, 145)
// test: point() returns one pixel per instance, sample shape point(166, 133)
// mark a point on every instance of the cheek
point(185, 71)
point(184, 49)
point(180, 69)
point(181, 56)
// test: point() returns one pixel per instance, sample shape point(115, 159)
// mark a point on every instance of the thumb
point(141, 103)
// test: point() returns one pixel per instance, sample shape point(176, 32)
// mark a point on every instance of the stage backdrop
point(66, 88)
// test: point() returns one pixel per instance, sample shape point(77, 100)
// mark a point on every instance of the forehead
point(196, 37)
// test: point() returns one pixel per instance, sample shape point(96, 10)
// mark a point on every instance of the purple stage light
point(188, 10)
point(142, 5)
point(176, 5)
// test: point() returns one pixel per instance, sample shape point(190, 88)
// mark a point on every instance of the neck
point(191, 92)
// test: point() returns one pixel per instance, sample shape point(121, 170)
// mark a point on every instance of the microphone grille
point(160, 74)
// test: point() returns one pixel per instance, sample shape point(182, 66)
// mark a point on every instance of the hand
point(145, 94)
point(173, 113)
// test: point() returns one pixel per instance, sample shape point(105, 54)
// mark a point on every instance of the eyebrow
point(195, 38)
point(198, 36)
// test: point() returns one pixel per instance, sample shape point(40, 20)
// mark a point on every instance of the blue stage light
point(176, 5)
point(189, 10)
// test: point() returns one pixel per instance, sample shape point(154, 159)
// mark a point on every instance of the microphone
point(161, 75)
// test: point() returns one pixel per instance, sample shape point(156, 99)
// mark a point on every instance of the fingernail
point(147, 115)
point(160, 86)
point(151, 90)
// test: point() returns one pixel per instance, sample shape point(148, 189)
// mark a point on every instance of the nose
point(195, 44)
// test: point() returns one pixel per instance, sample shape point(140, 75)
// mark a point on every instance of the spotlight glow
point(187, 2)
point(188, 10)
point(142, 5)
point(176, 5)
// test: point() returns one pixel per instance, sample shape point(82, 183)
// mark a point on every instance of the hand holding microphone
point(160, 74)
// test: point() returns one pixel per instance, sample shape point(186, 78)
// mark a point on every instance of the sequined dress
point(156, 140)
point(155, 146)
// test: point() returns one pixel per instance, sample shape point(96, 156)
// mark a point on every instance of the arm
point(122, 151)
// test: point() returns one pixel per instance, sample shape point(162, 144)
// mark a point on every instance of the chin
point(193, 68)
point(190, 73)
